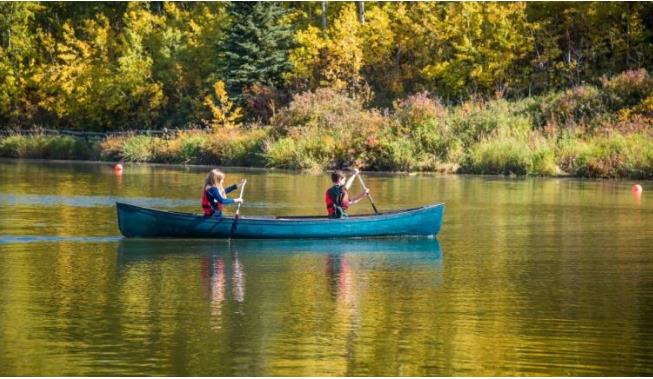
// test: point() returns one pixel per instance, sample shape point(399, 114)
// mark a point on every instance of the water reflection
point(542, 277)
point(308, 303)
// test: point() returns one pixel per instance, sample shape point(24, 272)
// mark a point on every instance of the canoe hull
point(137, 222)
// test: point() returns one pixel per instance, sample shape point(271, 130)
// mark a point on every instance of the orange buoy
point(636, 188)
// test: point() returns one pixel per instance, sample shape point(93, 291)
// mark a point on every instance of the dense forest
point(487, 87)
point(123, 65)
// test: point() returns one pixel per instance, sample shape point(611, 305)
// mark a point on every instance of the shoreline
point(313, 172)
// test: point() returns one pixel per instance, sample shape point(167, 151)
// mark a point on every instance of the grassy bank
point(588, 131)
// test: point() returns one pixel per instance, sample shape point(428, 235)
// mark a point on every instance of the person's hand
point(238, 200)
point(242, 182)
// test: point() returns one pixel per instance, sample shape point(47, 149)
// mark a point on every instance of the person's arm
point(358, 197)
point(215, 194)
point(345, 200)
point(350, 181)
point(235, 186)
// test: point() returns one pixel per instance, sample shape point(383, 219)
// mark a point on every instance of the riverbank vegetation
point(487, 88)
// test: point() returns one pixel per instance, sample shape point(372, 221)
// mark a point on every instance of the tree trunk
point(361, 12)
point(324, 15)
point(628, 35)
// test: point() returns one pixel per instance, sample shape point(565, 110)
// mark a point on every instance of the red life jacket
point(342, 201)
point(206, 205)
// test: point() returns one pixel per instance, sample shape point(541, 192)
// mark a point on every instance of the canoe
point(138, 222)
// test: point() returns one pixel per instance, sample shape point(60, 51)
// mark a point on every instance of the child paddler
point(337, 197)
point(214, 196)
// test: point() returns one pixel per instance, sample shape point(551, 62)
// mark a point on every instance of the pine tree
point(257, 47)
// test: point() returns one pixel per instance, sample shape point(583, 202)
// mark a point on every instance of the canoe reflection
point(348, 268)
point(404, 249)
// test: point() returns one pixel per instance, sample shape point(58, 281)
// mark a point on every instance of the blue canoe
point(138, 222)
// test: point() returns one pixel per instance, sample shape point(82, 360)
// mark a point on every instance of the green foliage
point(237, 148)
point(257, 46)
point(582, 106)
point(46, 147)
point(507, 156)
point(612, 156)
point(138, 148)
point(628, 88)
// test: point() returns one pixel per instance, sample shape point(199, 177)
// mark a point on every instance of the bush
point(237, 148)
point(507, 156)
point(138, 149)
point(397, 154)
point(46, 147)
point(417, 110)
point(476, 121)
point(324, 108)
point(580, 107)
point(543, 160)
point(616, 155)
point(628, 88)
point(286, 153)
point(639, 162)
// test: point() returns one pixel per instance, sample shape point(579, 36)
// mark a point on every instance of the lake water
point(527, 277)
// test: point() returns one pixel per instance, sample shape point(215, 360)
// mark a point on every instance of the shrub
point(286, 153)
point(507, 156)
point(138, 148)
point(580, 107)
point(628, 88)
point(543, 160)
point(475, 121)
point(237, 148)
point(396, 154)
point(46, 147)
point(570, 153)
point(639, 161)
point(324, 108)
point(417, 110)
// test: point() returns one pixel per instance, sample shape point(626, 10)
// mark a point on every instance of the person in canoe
point(337, 197)
point(214, 196)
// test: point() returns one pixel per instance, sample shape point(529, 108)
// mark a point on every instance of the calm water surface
point(527, 277)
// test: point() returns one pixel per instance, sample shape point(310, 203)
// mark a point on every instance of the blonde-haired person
point(214, 196)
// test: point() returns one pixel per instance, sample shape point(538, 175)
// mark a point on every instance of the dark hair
point(336, 176)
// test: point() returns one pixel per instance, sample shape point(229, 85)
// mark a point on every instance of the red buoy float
point(636, 188)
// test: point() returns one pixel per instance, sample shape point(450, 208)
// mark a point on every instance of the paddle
point(369, 196)
point(234, 225)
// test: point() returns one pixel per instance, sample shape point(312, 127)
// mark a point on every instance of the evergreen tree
point(257, 47)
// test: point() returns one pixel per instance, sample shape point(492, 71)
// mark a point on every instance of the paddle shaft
point(242, 189)
point(233, 226)
point(369, 196)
